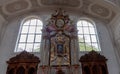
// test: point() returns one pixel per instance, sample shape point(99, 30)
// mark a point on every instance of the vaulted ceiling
point(103, 10)
point(96, 8)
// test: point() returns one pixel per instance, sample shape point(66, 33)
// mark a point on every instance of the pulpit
point(24, 63)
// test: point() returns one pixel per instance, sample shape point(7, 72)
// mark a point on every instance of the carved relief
point(34, 3)
point(73, 3)
point(99, 10)
point(84, 7)
point(16, 6)
point(116, 2)
point(93, 63)
point(23, 57)
point(92, 56)
point(23, 63)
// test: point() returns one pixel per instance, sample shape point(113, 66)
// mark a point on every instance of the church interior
point(59, 37)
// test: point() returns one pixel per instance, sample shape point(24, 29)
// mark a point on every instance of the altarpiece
point(59, 52)
point(59, 43)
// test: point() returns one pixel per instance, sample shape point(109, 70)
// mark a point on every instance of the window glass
point(87, 36)
point(29, 38)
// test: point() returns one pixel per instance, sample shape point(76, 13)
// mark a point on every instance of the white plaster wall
point(10, 37)
point(106, 48)
point(2, 22)
point(8, 43)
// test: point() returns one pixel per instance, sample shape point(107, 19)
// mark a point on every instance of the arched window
point(29, 37)
point(87, 36)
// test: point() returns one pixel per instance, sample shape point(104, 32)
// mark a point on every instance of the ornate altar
point(59, 45)
point(24, 63)
point(59, 52)
point(93, 63)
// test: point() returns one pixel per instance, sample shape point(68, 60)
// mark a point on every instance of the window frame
point(28, 19)
point(95, 34)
